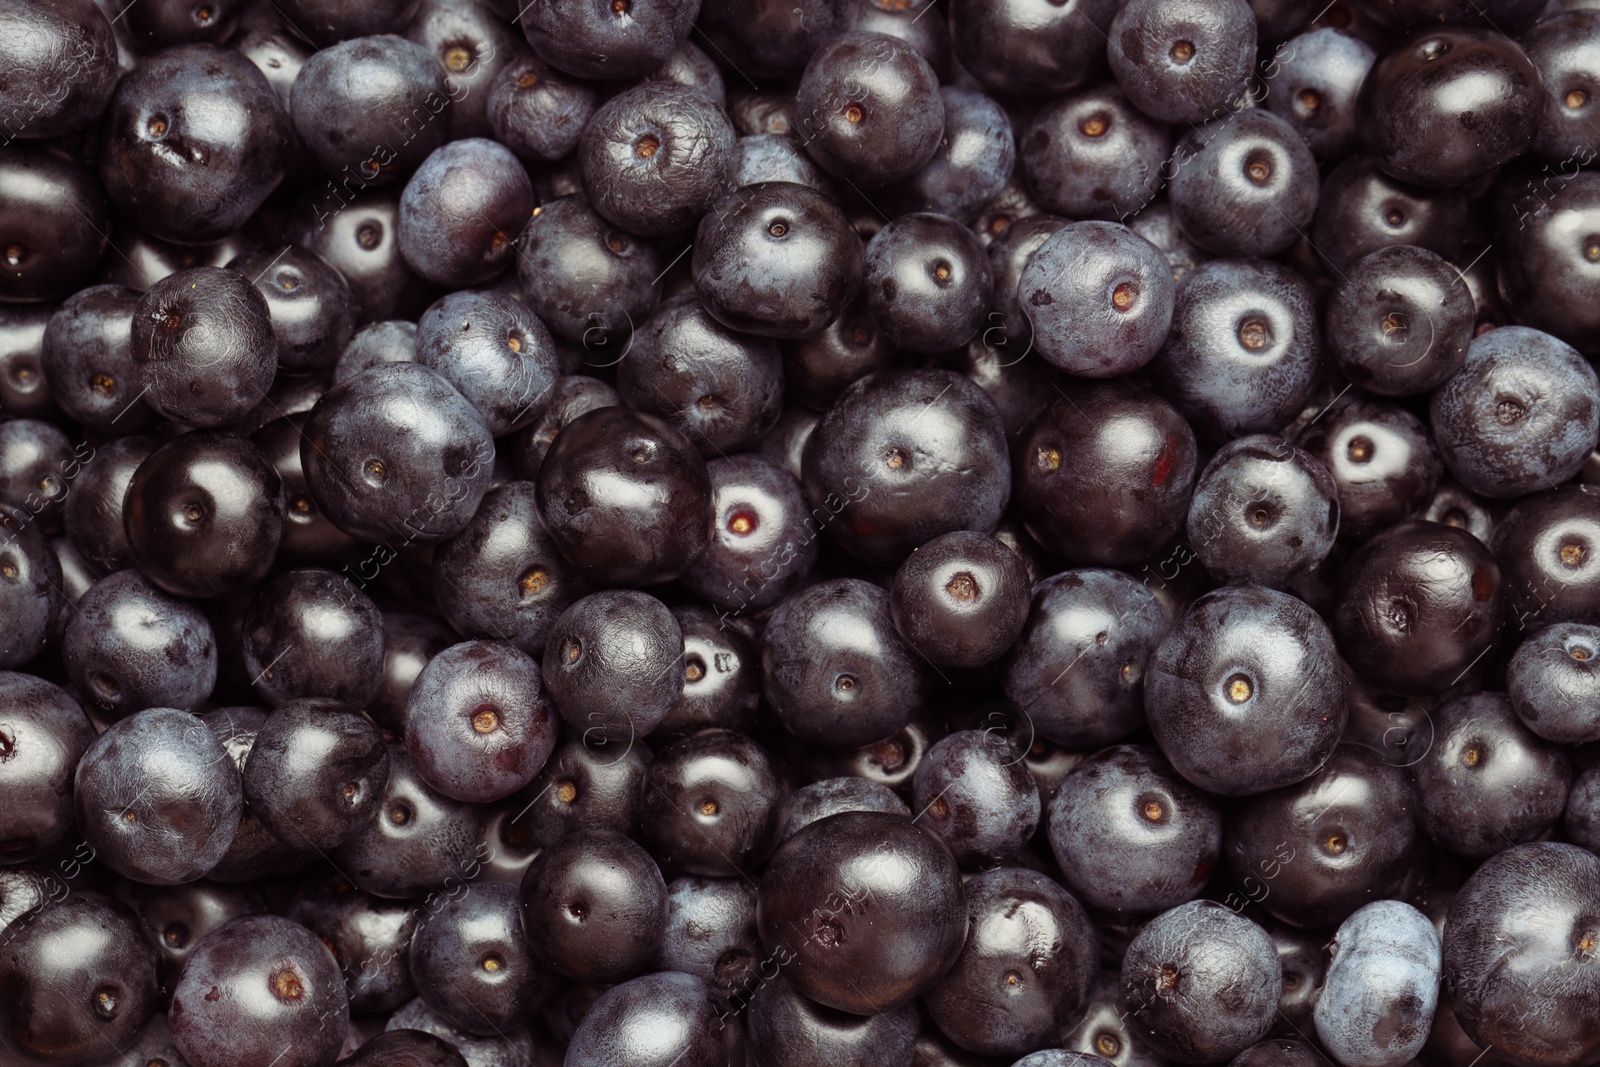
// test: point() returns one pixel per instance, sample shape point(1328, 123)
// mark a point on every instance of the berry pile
point(799, 533)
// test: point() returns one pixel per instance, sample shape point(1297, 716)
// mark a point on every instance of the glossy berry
point(1104, 473)
point(278, 993)
point(1550, 679)
point(85, 953)
point(254, 849)
point(39, 464)
point(721, 676)
point(790, 1029)
point(961, 599)
point(1029, 941)
point(973, 163)
point(830, 796)
point(1060, 1058)
point(1003, 345)
point(1561, 883)
point(1400, 321)
point(1156, 225)
point(473, 42)
point(479, 724)
point(368, 936)
point(158, 798)
point(1092, 154)
point(1561, 45)
point(724, 398)
point(370, 109)
point(395, 455)
point(193, 142)
point(1362, 209)
point(499, 1051)
point(1381, 458)
point(786, 445)
point(836, 893)
point(1419, 604)
point(53, 224)
point(24, 389)
point(1078, 669)
point(978, 795)
point(471, 962)
point(1264, 512)
point(626, 498)
point(1099, 299)
point(204, 515)
point(312, 309)
point(1244, 348)
point(869, 109)
point(1421, 98)
point(776, 259)
point(927, 282)
point(780, 37)
point(1328, 844)
point(88, 361)
point(1522, 413)
point(614, 665)
point(594, 906)
point(410, 640)
point(658, 1020)
point(462, 210)
point(494, 351)
point(710, 803)
point(1543, 548)
point(418, 842)
point(1031, 48)
point(31, 592)
point(1488, 780)
point(1202, 982)
point(764, 539)
point(1545, 270)
point(1248, 188)
point(834, 670)
point(167, 23)
point(584, 786)
point(313, 633)
point(590, 282)
point(1105, 1035)
point(129, 647)
point(1182, 62)
point(904, 456)
point(407, 1048)
point(1244, 693)
point(502, 577)
point(359, 239)
point(817, 369)
point(776, 157)
point(690, 66)
point(1322, 71)
point(43, 740)
point(203, 346)
point(316, 773)
point(1130, 835)
point(655, 157)
point(308, 536)
point(600, 41)
point(711, 933)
